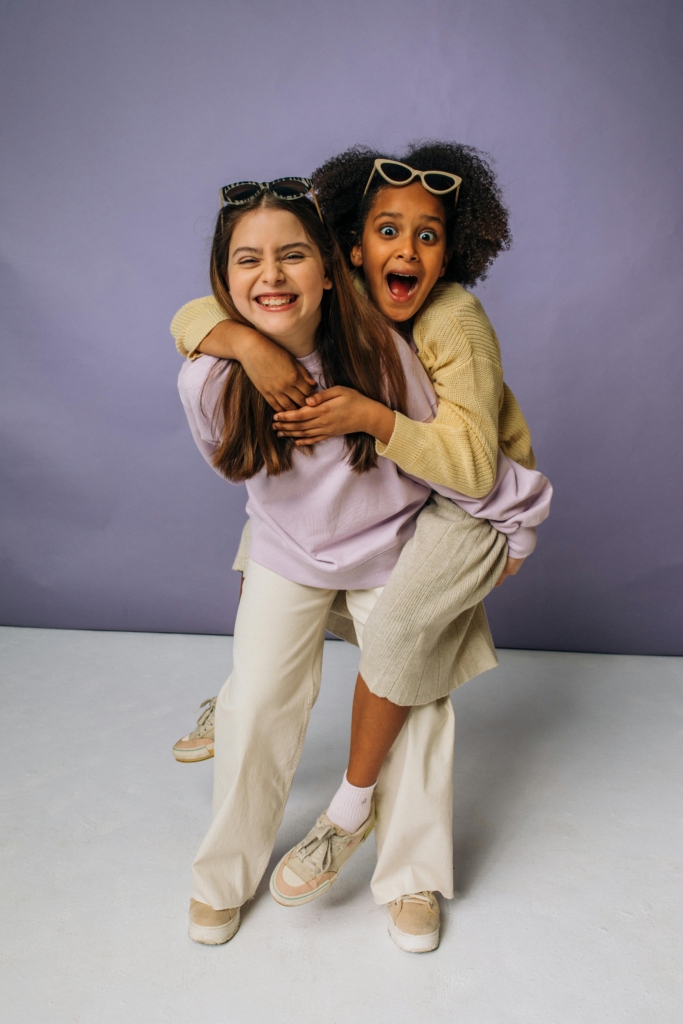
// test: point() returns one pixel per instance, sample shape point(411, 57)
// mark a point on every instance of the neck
point(404, 327)
point(301, 343)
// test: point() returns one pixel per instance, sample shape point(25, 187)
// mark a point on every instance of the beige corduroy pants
point(428, 632)
point(262, 714)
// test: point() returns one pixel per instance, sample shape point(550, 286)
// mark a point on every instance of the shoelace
point(203, 720)
point(416, 897)
point(310, 847)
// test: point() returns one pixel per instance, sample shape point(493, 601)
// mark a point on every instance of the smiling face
point(403, 249)
point(276, 278)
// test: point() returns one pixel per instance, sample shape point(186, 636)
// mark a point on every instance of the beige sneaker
point(415, 922)
point(210, 926)
point(198, 744)
point(314, 864)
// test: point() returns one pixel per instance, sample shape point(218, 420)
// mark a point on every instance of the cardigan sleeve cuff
point(189, 337)
point(405, 443)
point(198, 330)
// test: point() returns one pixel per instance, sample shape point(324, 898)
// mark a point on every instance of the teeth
point(281, 300)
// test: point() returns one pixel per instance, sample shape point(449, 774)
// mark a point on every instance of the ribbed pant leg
point(414, 793)
point(262, 714)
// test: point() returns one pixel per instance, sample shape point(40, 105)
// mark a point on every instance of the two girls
point(403, 260)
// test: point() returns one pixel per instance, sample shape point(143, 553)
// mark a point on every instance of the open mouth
point(277, 302)
point(402, 286)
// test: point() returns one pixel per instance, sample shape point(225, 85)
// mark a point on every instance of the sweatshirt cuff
point(197, 330)
point(522, 542)
point(405, 443)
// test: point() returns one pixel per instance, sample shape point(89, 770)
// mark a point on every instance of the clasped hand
point(331, 413)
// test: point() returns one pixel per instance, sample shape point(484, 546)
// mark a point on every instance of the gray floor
point(567, 836)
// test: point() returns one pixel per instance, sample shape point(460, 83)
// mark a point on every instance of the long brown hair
point(354, 344)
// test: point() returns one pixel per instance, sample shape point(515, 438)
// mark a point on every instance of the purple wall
point(122, 119)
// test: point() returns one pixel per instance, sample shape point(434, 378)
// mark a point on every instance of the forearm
point(228, 340)
point(378, 421)
point(454, 455)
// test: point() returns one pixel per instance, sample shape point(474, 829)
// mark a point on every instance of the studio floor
point(567, 848)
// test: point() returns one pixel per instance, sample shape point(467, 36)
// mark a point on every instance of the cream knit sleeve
point(514, 436)
point(192, 323)
point(459, 350)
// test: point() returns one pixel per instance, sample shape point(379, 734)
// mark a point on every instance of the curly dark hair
point(476, 229)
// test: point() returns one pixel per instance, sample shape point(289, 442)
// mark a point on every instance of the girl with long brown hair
point(331, 519)
point(325, 519)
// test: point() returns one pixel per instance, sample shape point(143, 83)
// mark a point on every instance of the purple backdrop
point(120, 122)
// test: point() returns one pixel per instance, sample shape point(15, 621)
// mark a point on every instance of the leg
point(198, 744)
point(313, 865)
point(414, 815)
point(414, 807)
point(261, 718)
point(375, 724)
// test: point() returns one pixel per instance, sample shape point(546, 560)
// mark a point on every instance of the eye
point(427, 236)
point(246, 261)
point(388, 231)
point(294, 256)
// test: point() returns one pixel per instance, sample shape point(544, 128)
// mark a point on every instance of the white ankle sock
point(350, 806)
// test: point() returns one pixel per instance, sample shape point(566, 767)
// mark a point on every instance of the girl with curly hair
point(418, 230)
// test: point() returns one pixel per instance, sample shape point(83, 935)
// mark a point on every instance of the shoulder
point(455, 323)
point(193, 376)
point(420, 390)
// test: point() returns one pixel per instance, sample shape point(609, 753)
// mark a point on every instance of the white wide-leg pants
point(262, 714)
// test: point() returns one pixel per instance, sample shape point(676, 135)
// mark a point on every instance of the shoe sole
point(191, 756)
point(297, 901)
point(414, 943)
point(214, 935)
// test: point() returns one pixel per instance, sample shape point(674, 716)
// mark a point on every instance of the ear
point(356, 255)
point(446, 261)
point(327, 283)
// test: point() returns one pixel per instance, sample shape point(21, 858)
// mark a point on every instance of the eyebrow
point(399, 216)
point(282, 248)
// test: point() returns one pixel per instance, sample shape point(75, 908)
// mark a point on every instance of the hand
point(281, 379)
point(334, 413)
point(512, 567)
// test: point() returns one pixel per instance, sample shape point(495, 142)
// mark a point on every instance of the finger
point(303, 392)
point(296, 415)
point(322, 396)
point(299, 432)
point(273, 403)
point(287, 402)
point(295, 397)
point(298, 424)
point(309, 441)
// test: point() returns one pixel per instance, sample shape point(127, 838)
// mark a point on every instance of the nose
point(407, 250)
point(272, 272)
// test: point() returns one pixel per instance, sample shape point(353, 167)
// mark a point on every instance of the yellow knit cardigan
point(477, 414)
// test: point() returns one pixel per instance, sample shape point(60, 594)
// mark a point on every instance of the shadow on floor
point(501, 739)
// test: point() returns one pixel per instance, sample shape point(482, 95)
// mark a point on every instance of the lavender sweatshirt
point(323, 525)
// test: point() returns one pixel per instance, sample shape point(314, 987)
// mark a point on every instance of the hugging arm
point(457, 448)
point(201, 327)
point(334, 413)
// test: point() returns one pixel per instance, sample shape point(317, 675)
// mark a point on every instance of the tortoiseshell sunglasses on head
point(282, 188)
point(439, 183)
